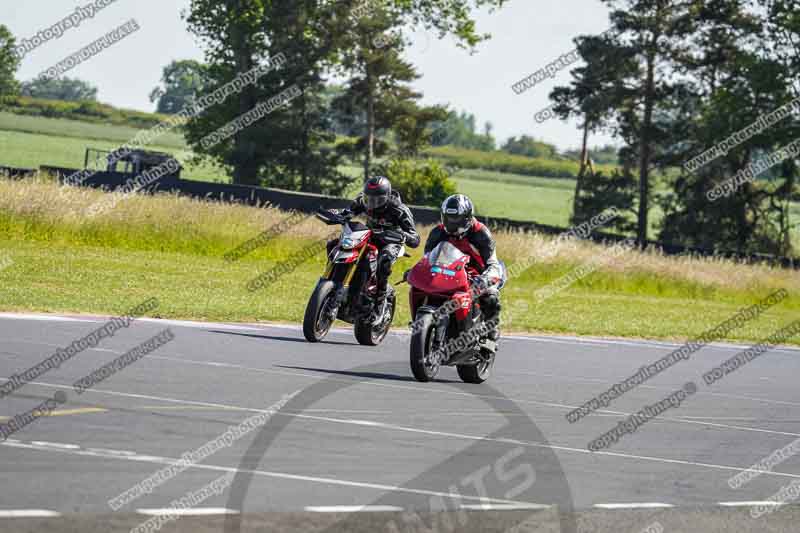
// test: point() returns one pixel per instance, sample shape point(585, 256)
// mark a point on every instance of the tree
point(342, 119)
point(530, 147)
point(602, 192)
point(374, 67)
point(595, 94)
point(413, 129)
point(628, 82)
point(290, 144)
point(740, 74)
point(378, 76)
point(68, 89)
point(287, 148)
point(180, 82)
point(459, 129)
point(418, 182)
point(9, 62)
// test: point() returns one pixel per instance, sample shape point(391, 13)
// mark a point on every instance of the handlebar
point(387, 235)
point(331, 218)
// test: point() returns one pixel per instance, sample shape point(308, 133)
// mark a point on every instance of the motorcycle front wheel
point(424, 366)
point(316, 323)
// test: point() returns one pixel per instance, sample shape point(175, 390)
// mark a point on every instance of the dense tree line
point(359, 42)
point(672, 79)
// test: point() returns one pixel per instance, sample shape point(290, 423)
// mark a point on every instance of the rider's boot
point(379, 306)
point(494, 333)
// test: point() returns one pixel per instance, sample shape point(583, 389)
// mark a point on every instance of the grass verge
point(171, 248)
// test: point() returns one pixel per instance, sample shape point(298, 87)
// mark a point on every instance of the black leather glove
point(479, 285)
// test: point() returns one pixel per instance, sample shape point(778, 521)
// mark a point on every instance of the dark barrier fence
point(14, 172)
point(310, 202)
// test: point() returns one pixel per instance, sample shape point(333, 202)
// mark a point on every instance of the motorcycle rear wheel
point(367, 333)
point(476, 373)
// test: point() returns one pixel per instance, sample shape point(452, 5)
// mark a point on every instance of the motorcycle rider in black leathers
point(384, 209)
point(466, 233)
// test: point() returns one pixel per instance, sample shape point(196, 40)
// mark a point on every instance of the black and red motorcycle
point(348, 288)
point(447, 327)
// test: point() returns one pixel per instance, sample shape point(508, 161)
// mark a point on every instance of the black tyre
point(421, 347)
point(476, 373)
point(315, 324)
point(371, 334)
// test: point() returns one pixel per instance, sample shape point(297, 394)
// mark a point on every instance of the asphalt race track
point(361, 446)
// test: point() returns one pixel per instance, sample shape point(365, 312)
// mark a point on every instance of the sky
point(526, 36)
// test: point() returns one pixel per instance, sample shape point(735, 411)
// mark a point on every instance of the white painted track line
point(28, 513)
point(443, 433)
point(502, 507)
point(133, 456)
point(197, 511)
point(353, 508)
point(564, 339)
point(653, 505)
point(747, 504)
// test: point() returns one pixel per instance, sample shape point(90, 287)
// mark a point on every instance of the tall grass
point(172, 248)
point(39, 210)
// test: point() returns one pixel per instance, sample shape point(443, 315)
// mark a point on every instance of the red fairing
point(442, 281)
point(353, 256)
point(465, 304)
point(424, 279)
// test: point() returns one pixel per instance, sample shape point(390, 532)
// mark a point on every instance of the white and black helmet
point(457, 214)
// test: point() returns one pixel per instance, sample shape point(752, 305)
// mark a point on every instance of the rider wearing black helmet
point(384, 210)
point(460, 227)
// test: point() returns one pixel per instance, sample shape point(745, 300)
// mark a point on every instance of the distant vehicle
point(134, 163)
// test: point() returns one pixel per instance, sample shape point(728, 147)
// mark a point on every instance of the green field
point(30, 141)
point(542, 200)
point(171, 248)
point(491, 176)
point(83, 130)
point(29, 150)
point(546, 205)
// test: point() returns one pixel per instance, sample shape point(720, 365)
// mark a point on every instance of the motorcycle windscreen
point(446, 255)
point(442, 271)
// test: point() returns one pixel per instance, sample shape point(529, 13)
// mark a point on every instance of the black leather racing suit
point(394, 215)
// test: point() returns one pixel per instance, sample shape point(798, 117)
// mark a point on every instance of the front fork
point(343, 285)
point(440, 325)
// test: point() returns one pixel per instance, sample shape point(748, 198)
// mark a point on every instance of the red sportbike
point(347, 290)
point(447, 325)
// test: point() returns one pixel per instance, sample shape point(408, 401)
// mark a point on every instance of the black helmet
point(457, 214)
point(377, 191)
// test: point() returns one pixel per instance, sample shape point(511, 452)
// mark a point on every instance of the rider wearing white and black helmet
point(460, 227)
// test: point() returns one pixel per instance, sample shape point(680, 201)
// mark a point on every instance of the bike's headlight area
point(346, 244)
point(445, 271)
